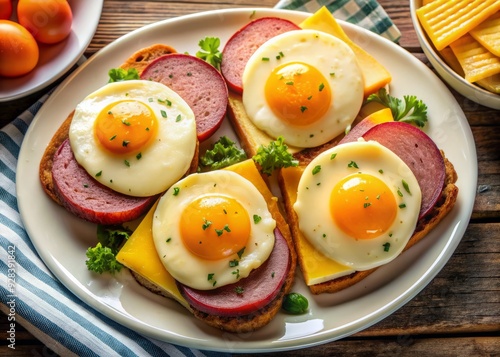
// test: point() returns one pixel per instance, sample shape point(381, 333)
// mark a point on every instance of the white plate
point(57, 59)
point(62, 240)
point(456, 81)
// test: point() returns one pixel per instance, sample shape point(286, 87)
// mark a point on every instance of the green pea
point(295, 303)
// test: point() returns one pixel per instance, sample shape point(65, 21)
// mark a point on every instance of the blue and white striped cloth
point(32, 297)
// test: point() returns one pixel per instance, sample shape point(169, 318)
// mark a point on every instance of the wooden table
point(458, 313)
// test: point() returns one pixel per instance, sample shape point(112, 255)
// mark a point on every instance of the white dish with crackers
point(447, 66)
point(62, 239)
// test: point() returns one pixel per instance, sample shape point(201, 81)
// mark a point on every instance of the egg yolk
point(125, 127)
point(363, 206)
point(298, 93)
point(214, 227)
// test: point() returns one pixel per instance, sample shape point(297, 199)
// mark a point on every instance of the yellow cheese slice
point(139, 255)
point(316, 267)
point(375, 74)
point(487, 34)
point(476, 61)
point(446, 21)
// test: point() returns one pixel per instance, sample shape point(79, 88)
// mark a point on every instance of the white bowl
point(457, 82)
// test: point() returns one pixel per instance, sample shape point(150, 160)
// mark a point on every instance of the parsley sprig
point(210, 51)
point(410, 110)
point(121, 74)
point(274, 156)
point(223, 153)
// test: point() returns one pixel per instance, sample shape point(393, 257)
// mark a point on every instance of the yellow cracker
point(446, 21)
point(476, 61)
point(487, 34)
point(491, 83)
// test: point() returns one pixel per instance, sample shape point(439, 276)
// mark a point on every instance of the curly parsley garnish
point(102, 257)
point(224, 153)
point(274, 156)
point(121, 74)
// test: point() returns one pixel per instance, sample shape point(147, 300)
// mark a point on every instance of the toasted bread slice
point(288, 180)
point(143, 57)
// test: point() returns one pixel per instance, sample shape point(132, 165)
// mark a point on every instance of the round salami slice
point(87, 198)
point(198, 83)
point(249, 294)
point(243, 44)
point(419, 152)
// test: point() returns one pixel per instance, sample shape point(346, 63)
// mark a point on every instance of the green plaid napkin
point(365, 13)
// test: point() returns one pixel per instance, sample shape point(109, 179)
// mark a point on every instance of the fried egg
point(303, 85)
point(136, 137)
point(358, 203)
point(212, 229)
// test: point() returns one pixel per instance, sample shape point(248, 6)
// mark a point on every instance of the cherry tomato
point(49, 21)
point(18, 49)
point(5, 9)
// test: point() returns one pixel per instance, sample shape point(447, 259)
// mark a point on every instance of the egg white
point(161, 163)
point(191, 270)
point(332, 57)
point(313, 204)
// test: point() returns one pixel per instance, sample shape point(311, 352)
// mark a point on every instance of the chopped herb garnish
point(163, 113)
point(367, 204)
point(333, 156)
point(236, 273)
point(112, 138)
point(206, 224)
point(239, 290)
point(240, 252)
point(303, 108)
point(125, 143)
point(353, 164)
point(265, 59)
point(406, 187)
point(138, 156)
point(176, 191)
point(98, 174)
point(126, 163)
point(178, 119)
point(402, 205)
point(168, 240)
point(233, 263)
point(321, 87)
point(381, 171)
point(387, 246)
point(256, 218)
point(316, 169)
point(210, 276)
